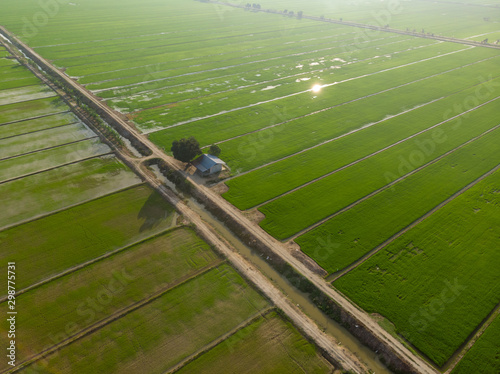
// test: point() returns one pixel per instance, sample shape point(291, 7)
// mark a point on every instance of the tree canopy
point(214, 150)
point(185, 149)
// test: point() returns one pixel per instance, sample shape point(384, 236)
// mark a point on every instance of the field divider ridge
point(340, 136)
point(45, 149)
point(336, 276)
point(90, 262)
point(469, 343)
point(46, 214)
point(32, 132)
point(28, 100)
point(366, 26)
point(374, 154)
point(387, 186)
point(56, 167)
point(208, 347)
point(181, 123)
point(114, 316)
point(35, 117)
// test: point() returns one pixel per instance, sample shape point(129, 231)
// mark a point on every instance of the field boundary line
point(28, 85)
point(32, 132)
point(56, 167)
point(473, 338)
point(135, 112)
point(114, 317)
point(372, 154)
point(46, 149)
point(249, 70)
point(172, 44)
point(367, 26)
point(187, 59)
point(208, 347)
point(28, 100)
point(35, 117)
point(365, 97)
point(220, 68)
point(337, 137)
point(93, 261)
point(335, 276)
point(46, 214)
point(195, 119)
point(389, 185)
point(395, 349)
point(226, 67)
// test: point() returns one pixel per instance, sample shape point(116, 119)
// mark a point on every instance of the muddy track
point(304, 323)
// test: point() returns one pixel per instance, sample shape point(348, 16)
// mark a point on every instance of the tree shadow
point(154, 211)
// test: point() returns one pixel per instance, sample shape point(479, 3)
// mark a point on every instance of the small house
point(208, 164)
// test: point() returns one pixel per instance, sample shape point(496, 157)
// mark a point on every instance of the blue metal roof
point(205, 162)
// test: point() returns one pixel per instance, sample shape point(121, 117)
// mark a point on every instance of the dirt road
point(325, 342)
point(303, 322)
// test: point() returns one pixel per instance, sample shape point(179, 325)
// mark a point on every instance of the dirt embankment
point(308, 278)
point(322, 301)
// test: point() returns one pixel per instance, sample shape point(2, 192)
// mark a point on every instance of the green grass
point(264, 347)
point(29, 109)
point(484, 356)
point(49, 245)
point(437, 282)
point(162, 333)
point(35, 162)
point(271, 181)
point(371, 222)
point(79, 299)
point(13, 76)
point(302, 208)
point(55, 189)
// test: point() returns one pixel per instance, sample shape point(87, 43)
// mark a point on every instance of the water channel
point(367, 356)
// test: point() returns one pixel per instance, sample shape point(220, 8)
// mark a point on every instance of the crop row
point(256, 149)
point(439, 280)
point(130, 275)
point(258, 186)
point(483, 356)
point(302, 208)
point(35, 108)
point(263, 80)
point(373, 221)
point(293, 101)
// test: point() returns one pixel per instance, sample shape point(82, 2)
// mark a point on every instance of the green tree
point(185, 149)
point(214, 150)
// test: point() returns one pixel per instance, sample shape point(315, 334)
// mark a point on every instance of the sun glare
point(316, 88)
